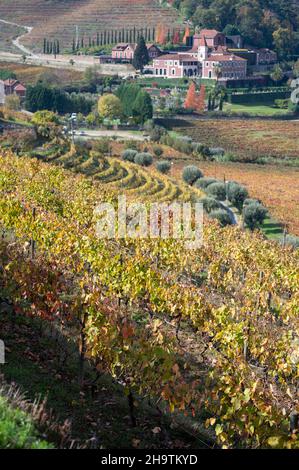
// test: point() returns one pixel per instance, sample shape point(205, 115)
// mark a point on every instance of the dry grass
point(29, 74)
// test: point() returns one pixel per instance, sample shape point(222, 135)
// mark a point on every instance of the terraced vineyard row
point(236, 299)
point(58, 19)
point(128, 178)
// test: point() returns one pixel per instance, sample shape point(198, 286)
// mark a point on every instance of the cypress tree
point(98, 39)
point(45, 45)
point(141, 57)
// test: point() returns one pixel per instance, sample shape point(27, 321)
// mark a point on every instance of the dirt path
point(16, 42)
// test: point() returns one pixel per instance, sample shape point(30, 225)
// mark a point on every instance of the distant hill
point(57, 19)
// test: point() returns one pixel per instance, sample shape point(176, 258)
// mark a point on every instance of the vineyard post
point(294, 422)
point(132, 408)
point(284, 235)
point(82, 322)
point(32, 242)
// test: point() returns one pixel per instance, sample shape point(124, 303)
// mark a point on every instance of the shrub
point(191, 173)
point(222, 216)
point(143, 159)
point(201, 149)
point(129, 155)
point(217, 151)
point(210, 204)
point(236, 194)
point(156, 133)
point(251, 201)
point(132, 145)
point(290, 240)
point(102, 145)
point(158, 151)
point(254, 215)
point(203, 183)
point(217, 190)
point(163, 166)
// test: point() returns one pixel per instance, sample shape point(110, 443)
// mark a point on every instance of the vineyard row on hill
point(238, 294)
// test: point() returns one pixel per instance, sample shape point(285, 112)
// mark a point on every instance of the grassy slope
point(36, 363)
point(255, 110)
point(17, 430)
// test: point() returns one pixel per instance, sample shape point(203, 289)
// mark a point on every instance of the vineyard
point(56, 20)
point(249, 140)
point(276, 187)
point(211, 334)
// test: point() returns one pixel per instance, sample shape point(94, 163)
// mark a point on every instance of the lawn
point(255, 110)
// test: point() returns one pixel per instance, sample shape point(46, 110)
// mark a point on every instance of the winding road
point(16, 42)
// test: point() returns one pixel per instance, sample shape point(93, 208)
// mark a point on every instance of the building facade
point(125, 51)
point(225, 66)
point(175, 66)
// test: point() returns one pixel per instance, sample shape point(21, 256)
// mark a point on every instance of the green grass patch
point(272, 229)
point(17, 431)
point(255, 110)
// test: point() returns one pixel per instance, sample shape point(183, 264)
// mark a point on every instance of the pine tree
point(141, 57)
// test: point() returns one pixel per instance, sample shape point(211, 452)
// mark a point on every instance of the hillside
point(58, 19)
point(233, 303)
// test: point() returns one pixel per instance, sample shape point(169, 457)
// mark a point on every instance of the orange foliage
point(186, 35)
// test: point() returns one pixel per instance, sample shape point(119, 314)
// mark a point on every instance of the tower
point(203, 49)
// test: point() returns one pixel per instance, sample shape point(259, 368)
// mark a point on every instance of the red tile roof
point(20, 87)
point(224, 58)
point(209, 33)
point(182, 56)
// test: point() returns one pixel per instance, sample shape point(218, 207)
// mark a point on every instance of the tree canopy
point(262, 23)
